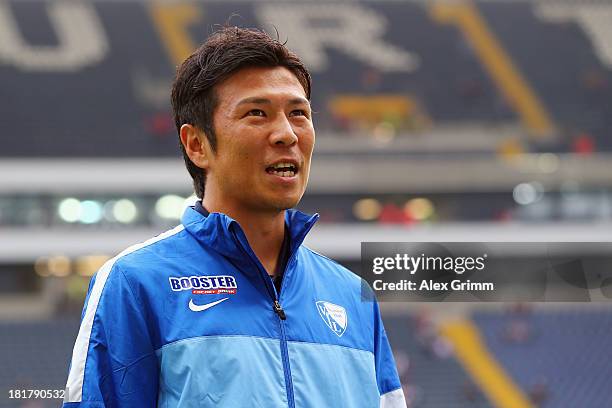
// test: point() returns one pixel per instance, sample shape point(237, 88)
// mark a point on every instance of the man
point(230, 309)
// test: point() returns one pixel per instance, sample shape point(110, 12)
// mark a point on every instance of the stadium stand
point(559, 357)
point(417, 67)
point(430, 374)
point(35, 356)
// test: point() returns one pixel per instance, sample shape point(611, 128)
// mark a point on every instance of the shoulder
point(154, 247)
point(145, 255)
point(330, 269)
point(328, 263)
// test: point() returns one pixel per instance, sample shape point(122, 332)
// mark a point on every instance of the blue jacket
point(191, 319)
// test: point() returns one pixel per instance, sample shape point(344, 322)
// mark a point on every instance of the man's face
point(265, 138)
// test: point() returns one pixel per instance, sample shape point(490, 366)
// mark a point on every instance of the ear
point(196, 145)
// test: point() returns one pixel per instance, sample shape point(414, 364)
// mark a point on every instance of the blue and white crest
point(334, 316)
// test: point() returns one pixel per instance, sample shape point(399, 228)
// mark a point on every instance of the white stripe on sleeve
point(393, 399)
point(74, 385)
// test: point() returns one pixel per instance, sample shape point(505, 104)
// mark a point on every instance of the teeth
point(283, 169)
point(289, 173)
point(283, 165)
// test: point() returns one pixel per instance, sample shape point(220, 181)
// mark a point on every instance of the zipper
point(285, 357)
point(282, 317)
point(278, 310)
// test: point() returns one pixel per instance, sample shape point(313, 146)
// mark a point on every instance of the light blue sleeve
point(113, 362)
point(389, 385)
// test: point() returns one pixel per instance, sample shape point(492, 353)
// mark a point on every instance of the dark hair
point(224, 52)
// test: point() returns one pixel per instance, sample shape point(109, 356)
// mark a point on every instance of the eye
point(299, 112)
point(256, 112)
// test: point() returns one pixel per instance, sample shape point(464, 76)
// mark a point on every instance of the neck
point(264, 231)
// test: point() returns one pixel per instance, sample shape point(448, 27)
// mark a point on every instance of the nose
point(283, 134)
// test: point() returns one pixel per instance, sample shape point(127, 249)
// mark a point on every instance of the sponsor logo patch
point(334, 316)
point(205, 285)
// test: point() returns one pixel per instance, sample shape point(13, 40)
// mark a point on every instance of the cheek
point(307, 145)
point(238, 154)
point(244, 166)
point(242, 156)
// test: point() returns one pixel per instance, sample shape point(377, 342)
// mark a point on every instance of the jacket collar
point(224, 235)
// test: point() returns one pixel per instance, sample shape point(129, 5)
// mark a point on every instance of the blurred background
point(436, 121)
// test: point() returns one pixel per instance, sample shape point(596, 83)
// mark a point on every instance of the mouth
point(283, 169)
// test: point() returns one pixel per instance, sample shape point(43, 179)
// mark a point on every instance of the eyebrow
point(266, 101)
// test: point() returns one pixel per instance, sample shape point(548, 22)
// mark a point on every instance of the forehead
point(258, 82)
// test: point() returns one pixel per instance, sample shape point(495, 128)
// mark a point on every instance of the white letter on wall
point(594, 19)
point(348, 28)
point(81, 39)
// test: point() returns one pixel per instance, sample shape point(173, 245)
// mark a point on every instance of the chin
point(285, 203)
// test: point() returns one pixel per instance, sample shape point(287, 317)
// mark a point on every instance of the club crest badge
point(334, 316)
